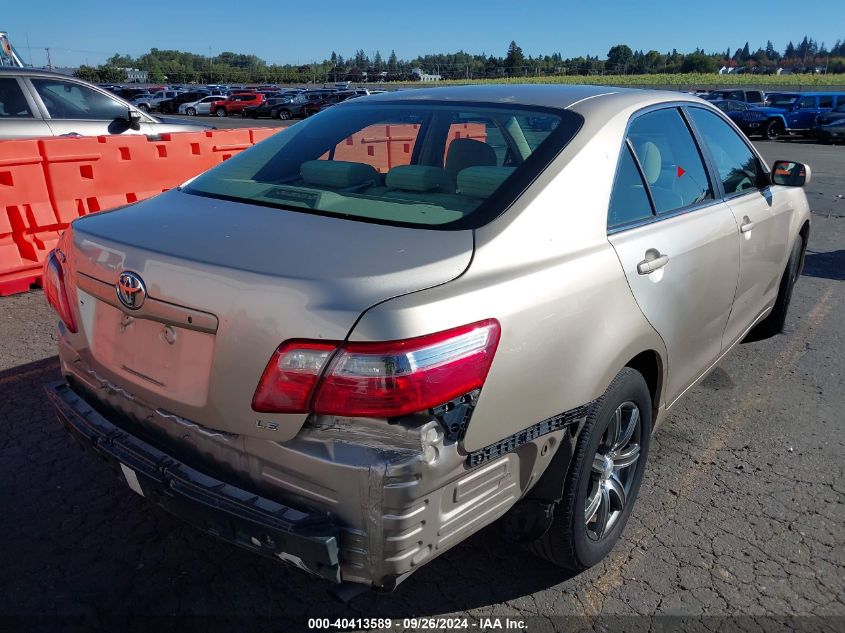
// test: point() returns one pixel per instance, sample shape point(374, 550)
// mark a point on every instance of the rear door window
point(629, 201)
point(13, 104)
point(670, 160)
point(826, 101)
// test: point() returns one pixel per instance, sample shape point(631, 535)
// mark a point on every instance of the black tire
point(191, 112)
point(776, 321)
point(773, 130)
point(567, 543)
point(284, 115)
point(221, 112)
point(144, 107)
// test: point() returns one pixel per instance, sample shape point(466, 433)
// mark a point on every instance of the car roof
point(557, 96)
point(14, 70)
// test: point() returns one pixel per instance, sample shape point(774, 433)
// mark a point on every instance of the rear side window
point(449, 165)
point(670, 160)
point(628, 201)
point(738, 167)
point(13, 104)
point(826, 101)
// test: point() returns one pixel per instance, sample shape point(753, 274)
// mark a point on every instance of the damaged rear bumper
point(307, 539)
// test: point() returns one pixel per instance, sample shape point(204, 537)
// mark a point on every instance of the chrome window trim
point(672, 214)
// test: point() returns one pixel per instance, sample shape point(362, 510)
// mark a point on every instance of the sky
point(88, 32)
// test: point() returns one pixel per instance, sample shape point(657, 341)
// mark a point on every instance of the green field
point(691, 80)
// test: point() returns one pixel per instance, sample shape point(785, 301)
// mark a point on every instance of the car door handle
point(746, 225)
point(656, 262)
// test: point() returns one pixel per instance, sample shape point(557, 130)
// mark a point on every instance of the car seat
point(468, 152)
point(651, 161)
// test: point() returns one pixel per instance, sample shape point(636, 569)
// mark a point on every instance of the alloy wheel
point(613, 469)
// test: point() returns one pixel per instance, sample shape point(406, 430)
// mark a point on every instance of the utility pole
point(49, 62)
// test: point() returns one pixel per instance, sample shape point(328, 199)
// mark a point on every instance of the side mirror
point(790, 174)
point(134, 117)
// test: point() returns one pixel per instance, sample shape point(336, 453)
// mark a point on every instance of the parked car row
point(285, 104)
point(809, 114)
point(819, 115)
point(37, 103)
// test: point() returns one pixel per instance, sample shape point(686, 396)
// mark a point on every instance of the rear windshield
point(428, 164)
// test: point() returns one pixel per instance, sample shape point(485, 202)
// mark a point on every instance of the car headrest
point(480, 182)
point(650, 161)
point(468, 152)
point(337, 174)
point(419, 178)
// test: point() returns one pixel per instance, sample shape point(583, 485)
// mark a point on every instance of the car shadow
point(829, 265)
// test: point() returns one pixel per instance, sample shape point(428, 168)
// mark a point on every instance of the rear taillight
point(55, 289)
point(382, 380)
point(290, 377)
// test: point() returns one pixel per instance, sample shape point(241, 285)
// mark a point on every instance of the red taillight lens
point(383, 380)
point(56, 292)
point(290, 377)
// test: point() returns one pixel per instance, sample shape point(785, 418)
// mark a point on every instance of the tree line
point(183, 67)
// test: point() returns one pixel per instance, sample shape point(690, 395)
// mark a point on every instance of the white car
point(203, 106)
point(149, 103)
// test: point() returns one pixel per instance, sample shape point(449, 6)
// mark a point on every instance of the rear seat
point(339, 174)
point(409, 184)
point(481, 182)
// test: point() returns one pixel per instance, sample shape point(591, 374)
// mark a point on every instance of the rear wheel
point(604, 477)
point(221, 112)
point(144, 107)
point(191, 111)
point(773, 130)
point(775, 322)
point(284, 115)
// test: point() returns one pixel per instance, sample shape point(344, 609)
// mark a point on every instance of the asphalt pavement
point(740, 523)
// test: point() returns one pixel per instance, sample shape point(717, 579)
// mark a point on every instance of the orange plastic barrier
point(46, 183)
point(387, 146)
point(90, 174)
point(261, 133)
point(28, 226)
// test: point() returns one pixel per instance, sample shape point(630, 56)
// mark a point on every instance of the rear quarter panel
point(546, 271)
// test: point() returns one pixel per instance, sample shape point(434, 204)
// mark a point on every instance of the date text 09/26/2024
point(417, 624)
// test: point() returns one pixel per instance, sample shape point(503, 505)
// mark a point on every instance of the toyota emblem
point(130, 290)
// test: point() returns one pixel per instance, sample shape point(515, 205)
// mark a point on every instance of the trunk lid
point(226, 283)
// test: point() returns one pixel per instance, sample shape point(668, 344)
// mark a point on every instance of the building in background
point(418, 72)
point(135, 76)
